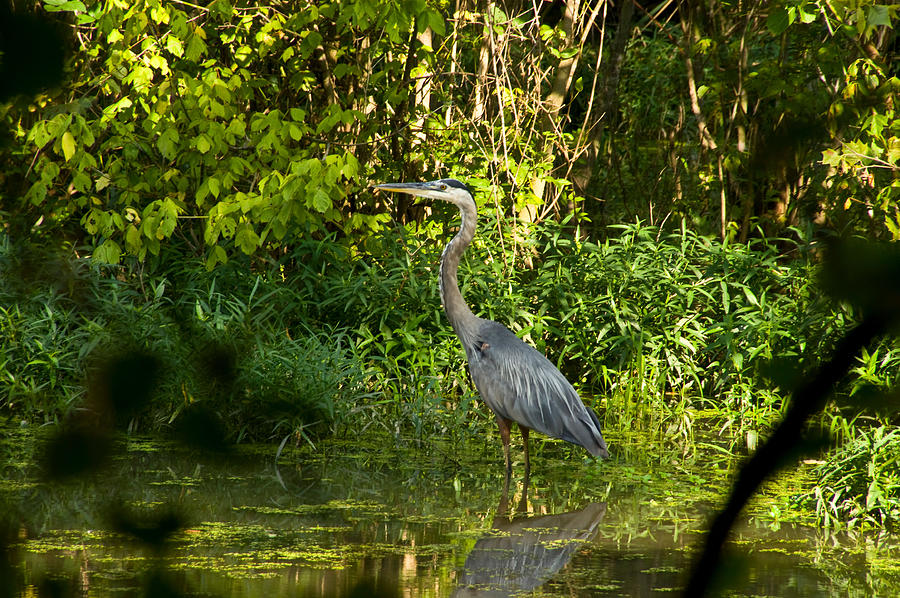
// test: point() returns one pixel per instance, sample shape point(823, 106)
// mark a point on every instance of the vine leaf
point(68, 145)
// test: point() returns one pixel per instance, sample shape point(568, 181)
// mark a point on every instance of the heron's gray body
point(521, 385)
point(517, 382)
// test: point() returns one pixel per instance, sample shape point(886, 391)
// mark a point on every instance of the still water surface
point(376, 516)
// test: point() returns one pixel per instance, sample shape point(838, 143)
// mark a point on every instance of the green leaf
point(64, 6)
point(278, 229)
point(168, 219)
point(248, 202)
point(223, 8)
point(174, 45)
point(237, 127)
point(202, 143)
point(102, 182)
point(568, 53)
point(213, 184)
point(196, 46)
point(893, 226)
point(37, 193)
point(202, 192)
point(878, 16)
point(81, 181)
point(227, 226)
point(831, 157)
point(132, 238)
point(435, 20)
point(212, 230)
point(246, 239)
point(216, 255)
point(807, 13)
point(779, 19)
point(351, 167)
point(321, 202)
point(159, 14)
point(68, 145)
point(166, 143)
point(93, 221)
point(750, 296)
point(108, 253)
point(893, 150)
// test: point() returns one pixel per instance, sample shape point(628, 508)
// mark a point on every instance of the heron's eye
point(443, 187)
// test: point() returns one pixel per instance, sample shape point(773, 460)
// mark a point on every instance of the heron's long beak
point(422, 190)
point(419, 189)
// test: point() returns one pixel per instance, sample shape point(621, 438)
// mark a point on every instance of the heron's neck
point(461, 317)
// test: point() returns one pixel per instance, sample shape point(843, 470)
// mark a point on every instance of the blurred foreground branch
point(865, 275)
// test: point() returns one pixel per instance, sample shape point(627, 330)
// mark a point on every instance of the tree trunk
point(423, 93)
point(609, 99)
point(550, 119)
point(484, 61)
point(565, 68)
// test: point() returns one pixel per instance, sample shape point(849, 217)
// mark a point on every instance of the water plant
point(858, 485)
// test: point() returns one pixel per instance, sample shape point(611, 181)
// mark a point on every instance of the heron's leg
point(503, 507)
point(503, 424)
point(525, 432)
point(523, 502)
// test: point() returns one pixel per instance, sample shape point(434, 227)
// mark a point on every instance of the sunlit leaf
point(68, 145)
point(246, 239)
point(321, 201)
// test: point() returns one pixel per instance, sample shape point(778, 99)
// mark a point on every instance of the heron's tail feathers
point(598, 445)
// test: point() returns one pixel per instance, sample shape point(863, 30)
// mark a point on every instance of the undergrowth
point(653, 327)
point(859, 484)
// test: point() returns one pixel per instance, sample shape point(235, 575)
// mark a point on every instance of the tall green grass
point(646, 323)
point(227, 342)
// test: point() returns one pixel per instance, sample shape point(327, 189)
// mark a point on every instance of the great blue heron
point(517, 382)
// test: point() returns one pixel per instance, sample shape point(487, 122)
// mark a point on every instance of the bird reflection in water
point(520, 554)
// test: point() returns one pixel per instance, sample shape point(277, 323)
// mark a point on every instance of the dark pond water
point(374, 517)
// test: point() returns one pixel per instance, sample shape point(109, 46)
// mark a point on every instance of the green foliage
point(788, 122)
point(859, 187)
point(40, 356)
point(237, 129)
point(646, 316)
point(209, 123)
point(219, 154)
point(225, 353)
point(859, 485)
point(647, 319)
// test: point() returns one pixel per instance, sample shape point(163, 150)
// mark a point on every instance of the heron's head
point(450, 190)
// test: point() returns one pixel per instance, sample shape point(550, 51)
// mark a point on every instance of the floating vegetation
point(325, 518)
